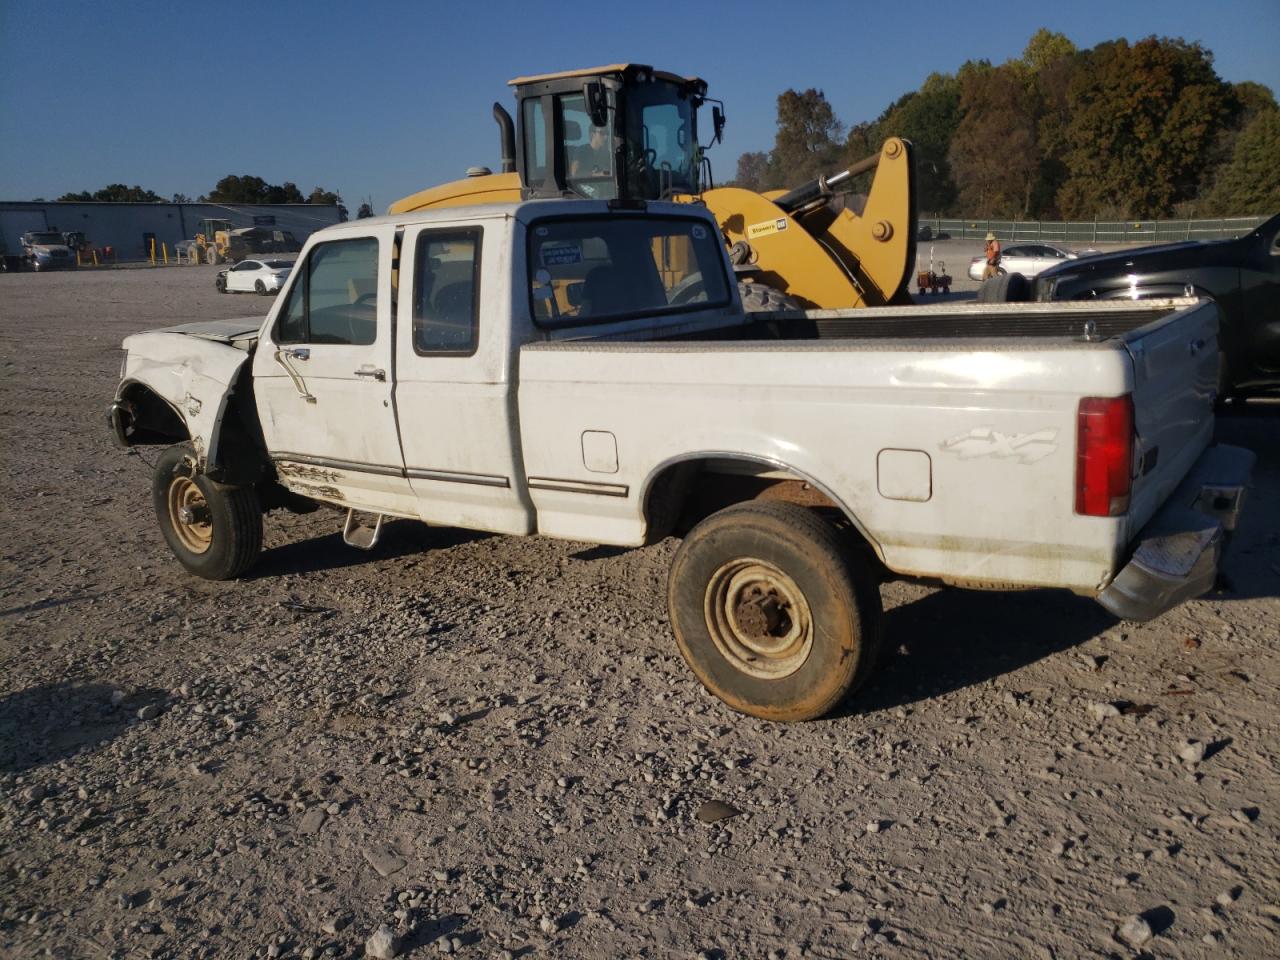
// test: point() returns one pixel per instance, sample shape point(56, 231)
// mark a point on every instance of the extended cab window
point(335, 297)
point(593, 269)
point(446, 291)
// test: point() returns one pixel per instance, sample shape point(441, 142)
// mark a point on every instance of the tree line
point(1124, 130)
point(230, 189)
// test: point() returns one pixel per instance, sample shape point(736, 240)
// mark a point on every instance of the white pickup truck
point(585, 370)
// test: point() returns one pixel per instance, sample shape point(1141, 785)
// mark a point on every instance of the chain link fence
point(1092, 231)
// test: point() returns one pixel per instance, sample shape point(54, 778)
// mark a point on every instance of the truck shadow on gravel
point(53, 721)
point(400, 538)
point(953, 639)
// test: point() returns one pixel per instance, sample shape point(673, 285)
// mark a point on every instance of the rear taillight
point(1104, 456)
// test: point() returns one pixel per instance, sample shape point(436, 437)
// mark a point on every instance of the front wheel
point(761, 298)
point(221, 284)
point(214, 530)
point(772, 611)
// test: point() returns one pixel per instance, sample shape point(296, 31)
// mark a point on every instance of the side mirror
point(717, 123)
point(597, 103)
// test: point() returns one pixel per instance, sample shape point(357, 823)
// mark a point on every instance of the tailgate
point(1175, 368)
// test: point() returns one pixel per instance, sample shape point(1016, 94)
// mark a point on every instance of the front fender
point(195, 377)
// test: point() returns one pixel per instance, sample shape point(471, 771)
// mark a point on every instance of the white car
point(1027, 259)
point(254, 276)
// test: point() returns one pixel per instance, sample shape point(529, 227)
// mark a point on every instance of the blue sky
point(382, 99)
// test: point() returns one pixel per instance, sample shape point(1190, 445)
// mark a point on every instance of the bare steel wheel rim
point(189, 515)
point(758, 618)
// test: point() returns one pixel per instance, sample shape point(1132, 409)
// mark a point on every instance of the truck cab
point(46, 250)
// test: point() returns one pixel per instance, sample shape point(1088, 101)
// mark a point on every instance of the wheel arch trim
point(646, 488)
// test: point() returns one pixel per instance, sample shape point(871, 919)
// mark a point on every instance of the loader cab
point(210, 228)
point(622, 132)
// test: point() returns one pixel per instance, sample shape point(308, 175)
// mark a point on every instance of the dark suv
point(1242, 275)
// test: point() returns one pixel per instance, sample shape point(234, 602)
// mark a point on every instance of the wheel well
point(683, 494)
point(152, 420)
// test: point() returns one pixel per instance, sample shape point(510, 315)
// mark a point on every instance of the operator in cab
point(594, 158)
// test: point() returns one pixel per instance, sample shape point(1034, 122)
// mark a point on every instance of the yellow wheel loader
point(216, 242)
point(629, 134)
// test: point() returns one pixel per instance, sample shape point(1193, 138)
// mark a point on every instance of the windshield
point(660, 147)
point(45, 238)
point(591, 269)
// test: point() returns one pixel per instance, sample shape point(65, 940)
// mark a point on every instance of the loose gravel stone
point(1191, 752)
point(382, 945)
point(1135, 931)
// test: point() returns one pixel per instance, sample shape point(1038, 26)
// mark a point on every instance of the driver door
point(323, 379)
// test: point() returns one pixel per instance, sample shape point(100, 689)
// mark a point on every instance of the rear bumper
point(1175, 557)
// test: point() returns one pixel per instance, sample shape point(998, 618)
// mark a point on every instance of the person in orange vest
point(993, 257)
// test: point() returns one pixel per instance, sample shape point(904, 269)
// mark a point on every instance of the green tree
point(322, 196)
point(1144, 119)
point(995, 153)
point(1248, 184)
point(114, 193)
point(1044, 48)
point(928, 118)
point(809, 138)
point(249, 189)
point(754, 172)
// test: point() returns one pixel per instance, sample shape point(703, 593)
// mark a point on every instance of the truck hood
point(241, 332)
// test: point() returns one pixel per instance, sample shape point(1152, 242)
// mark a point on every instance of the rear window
point(588, 270)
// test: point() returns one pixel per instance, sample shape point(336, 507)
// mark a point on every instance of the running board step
point(356, 534)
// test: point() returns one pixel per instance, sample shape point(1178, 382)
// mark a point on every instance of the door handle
point(299, 353)
point(1195, 346)
point(370, 371)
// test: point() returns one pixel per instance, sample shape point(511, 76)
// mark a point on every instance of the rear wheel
point(772, 611)
point(214, 530)
point(260, 287)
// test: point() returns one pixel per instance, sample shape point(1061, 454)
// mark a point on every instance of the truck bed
point(979, 405)
point(1090, 320)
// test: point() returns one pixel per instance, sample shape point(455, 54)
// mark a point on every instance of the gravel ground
point(489, 746)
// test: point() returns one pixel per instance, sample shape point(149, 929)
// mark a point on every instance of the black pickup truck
point(1242, 275)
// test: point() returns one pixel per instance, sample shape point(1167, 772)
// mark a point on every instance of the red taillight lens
point(1104, 456)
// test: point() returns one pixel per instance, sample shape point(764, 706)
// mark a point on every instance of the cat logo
point(757, 230)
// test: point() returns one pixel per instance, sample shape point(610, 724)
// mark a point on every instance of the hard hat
point(991, 236)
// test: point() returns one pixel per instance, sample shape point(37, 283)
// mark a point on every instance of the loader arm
point(802, 244)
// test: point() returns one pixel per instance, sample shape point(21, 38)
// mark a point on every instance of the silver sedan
point(1027, 259)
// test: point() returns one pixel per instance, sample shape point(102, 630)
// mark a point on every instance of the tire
point(226, 538)
point(221, 283)
point(211, 256)
point(260, 287)
point(761, 298)
point(193, 255)
point(829, 616)
point(1005, 288)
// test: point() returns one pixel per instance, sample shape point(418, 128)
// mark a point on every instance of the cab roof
point(524, 211)
point(613, 68)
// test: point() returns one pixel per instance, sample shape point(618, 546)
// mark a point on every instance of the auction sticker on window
point(555, 254)
point(766, 227)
